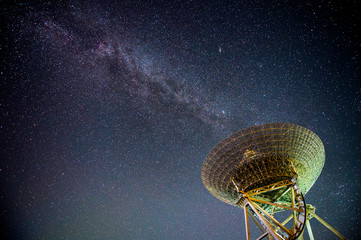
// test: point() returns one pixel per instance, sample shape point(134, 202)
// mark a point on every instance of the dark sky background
point(108, 110)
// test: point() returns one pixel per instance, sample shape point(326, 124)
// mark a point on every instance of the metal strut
point(261, 204)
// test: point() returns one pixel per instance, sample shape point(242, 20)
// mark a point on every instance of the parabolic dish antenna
point(266, 169)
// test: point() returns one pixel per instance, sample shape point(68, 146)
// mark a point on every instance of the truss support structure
point(263, 210)
point(263, 206)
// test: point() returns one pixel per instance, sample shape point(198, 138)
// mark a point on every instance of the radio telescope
point(266, 170)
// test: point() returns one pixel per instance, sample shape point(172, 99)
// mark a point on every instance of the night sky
point(108, 110)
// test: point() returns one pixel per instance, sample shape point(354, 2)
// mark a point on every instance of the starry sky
point(109, 108)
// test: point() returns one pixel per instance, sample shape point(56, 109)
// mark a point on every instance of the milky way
point(118, 65)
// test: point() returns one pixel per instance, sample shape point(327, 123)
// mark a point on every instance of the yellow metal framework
point(262, 212)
